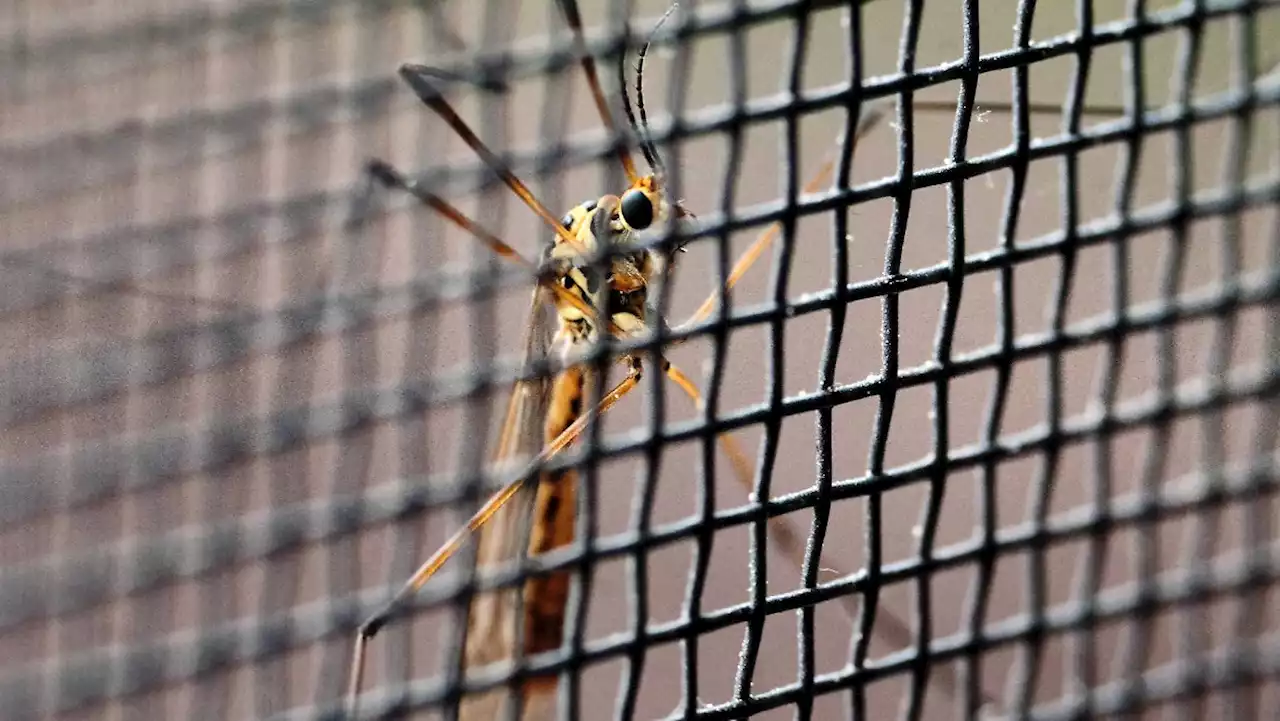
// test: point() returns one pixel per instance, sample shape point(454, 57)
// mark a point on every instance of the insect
point(594, 302)
point(587, 302)
point(589, 305)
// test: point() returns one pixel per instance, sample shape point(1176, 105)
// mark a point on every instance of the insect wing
point(491, 622)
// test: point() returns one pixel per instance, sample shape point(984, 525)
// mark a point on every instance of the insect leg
point(382, 173)
point(387, 176)
point(574, 19)
point(374, 623)
point(791, 544)
point(870, 117)
point(479, 79)
point(420, 79)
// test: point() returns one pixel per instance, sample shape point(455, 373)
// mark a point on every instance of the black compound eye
point(589, 206)
point(566, 281)
point(567, 221)
point(637, 211)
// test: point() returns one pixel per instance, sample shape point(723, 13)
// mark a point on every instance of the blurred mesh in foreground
point(1013, 372)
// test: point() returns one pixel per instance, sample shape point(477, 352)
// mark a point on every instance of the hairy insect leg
point(370, 627)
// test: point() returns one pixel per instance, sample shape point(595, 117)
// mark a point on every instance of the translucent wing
point(491, 622)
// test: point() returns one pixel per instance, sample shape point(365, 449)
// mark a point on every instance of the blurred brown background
point(176, 176)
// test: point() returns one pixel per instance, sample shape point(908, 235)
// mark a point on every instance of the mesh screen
point(1010, 375)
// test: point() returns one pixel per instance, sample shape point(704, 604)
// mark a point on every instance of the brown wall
point(146, 167)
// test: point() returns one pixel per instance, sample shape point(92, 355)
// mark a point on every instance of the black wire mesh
point(234, 421)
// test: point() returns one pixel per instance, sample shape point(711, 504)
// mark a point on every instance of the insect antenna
point(646, 139)
point(641, 127)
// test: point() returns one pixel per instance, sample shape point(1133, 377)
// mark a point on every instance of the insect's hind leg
point(792, 544)
point(370, 627)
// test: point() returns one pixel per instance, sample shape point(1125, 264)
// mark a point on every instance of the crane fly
point(587, 303)
point(595, 275)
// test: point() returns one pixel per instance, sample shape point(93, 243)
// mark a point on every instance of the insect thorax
point(619, 288)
